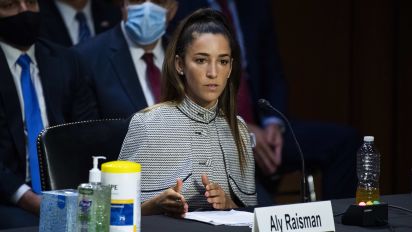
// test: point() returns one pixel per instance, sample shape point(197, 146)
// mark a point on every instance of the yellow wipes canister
point(124, 179)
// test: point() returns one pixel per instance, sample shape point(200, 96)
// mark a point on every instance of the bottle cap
point(368, 138)
point(121, 166)
point(95, 175)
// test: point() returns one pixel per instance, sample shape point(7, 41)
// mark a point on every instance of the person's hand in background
point(30, 202)
point(268, 149)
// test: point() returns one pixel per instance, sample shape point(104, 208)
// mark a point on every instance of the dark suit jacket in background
point(113, 76)
point(105, 16)
point(67, 98)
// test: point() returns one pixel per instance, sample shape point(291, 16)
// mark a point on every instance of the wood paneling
point(350, 62)
point(314, 45)
point(373, 78)
point(403, 164)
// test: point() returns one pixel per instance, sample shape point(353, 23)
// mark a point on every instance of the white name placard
point(314, 217)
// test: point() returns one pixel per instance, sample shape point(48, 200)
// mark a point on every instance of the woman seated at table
point(194, 151)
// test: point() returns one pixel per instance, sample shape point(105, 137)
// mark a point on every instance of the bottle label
point(86, 191)
point(61, 201)
point(84, 209)
point(121, 213)
point(125, 200)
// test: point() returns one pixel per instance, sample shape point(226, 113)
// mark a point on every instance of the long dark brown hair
point(173, 86)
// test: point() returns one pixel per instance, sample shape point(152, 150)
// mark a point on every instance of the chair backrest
point(65, 151)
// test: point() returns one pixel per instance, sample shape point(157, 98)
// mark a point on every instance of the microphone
point(265, 104)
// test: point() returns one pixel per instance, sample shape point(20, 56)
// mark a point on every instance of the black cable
point(391, 206)
point(265, 104)
point(400, 208)
point(386, 222)
point(339, 214)
point(391, 228)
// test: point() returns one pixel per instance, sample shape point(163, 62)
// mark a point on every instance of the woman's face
point(206, 66)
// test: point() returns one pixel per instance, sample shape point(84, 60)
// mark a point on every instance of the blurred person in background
point(125, 61)
point(41, 85)
point(69, 22)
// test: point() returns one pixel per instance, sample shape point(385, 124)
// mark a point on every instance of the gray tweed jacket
point(168, 139)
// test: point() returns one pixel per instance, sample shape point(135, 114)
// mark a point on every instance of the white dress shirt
point(12, 54)
point(68, 14)
point(140, 65)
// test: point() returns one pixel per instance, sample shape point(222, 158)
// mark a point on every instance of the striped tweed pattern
point(184, 141)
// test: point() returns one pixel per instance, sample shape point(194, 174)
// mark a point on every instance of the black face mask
point(21, 29)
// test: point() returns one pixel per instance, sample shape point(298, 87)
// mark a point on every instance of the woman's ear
point(179, 65)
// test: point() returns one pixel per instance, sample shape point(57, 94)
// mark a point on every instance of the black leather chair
point(65, 151)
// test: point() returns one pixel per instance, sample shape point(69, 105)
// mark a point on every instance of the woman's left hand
point(216, 195)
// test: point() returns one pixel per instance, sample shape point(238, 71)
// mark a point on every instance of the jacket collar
point(196, 112)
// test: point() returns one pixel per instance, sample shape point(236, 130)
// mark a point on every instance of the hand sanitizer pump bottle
point(94, 202)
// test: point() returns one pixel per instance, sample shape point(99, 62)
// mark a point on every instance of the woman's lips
point(212, 86)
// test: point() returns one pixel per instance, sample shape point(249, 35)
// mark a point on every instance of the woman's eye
point(224, 62)
point(200, 60)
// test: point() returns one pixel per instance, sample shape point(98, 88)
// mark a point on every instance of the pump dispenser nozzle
point(94, 173)
point(93, 213)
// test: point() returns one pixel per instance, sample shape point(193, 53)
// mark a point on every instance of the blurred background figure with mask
point(41, 85)
point(125, 62)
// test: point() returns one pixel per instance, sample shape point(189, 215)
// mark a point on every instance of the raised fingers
point(213, 190)
point(179, 185)
point(205, 180)
point(173, 203)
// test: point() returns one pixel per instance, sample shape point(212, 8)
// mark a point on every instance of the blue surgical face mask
point(145, 22)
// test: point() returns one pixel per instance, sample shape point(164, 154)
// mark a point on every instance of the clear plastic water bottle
point(368, 169)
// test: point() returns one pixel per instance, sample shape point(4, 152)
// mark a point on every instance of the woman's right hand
point(170, 202)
